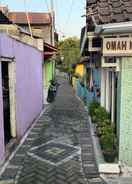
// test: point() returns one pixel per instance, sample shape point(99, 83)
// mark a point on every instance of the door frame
point(12, 92)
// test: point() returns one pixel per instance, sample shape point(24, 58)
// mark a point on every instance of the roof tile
point(35, 18)
point(108, 11)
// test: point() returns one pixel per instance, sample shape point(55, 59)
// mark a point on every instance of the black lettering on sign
point(124, 45)
point(108, 45)
point(119, 46)
point(113, 45)
point(130, 45)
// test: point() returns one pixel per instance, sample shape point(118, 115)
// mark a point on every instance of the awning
point(49, 50)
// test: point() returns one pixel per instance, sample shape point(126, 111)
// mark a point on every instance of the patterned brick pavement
point(59, 148)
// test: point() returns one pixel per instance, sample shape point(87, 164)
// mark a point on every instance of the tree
point(69, 52)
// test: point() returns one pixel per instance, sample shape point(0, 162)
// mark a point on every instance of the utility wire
point(2, 2)
point(28, 20)
point(70, 12)
point(57, 15)
point(47, 5)
point(67, 18)
point(69, 15)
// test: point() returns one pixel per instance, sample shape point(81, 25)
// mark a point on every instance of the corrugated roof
point(109, 11)
point(35, 18)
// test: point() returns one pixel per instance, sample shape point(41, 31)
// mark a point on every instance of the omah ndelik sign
point(117, 46)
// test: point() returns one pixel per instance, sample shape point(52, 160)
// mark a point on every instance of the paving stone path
point(59, 148)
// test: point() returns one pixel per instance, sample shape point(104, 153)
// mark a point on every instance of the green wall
point(125, 140)
point(53, 68)
point(118, 104)
point(48, 74)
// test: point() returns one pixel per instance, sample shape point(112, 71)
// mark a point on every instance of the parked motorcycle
point(52, 91)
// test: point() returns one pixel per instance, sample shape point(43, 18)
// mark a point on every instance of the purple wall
point(1, 122)
point(28, 80)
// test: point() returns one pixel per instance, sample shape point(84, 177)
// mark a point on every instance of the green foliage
point(100, 115)
point(107, 138)
point(93, 106)
point(69, 52)
point(105, 129)
point(101, 127)
point(62, 69)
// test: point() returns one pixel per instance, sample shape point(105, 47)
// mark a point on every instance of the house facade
point(48, 68)
point(108, 31)
point(86, 81)
point(20, 88)
point(90, 72)
point(41, 23)
point(42, 26)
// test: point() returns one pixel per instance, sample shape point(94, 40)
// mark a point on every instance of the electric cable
point(28, 19)
point(70, 12)
point(67, 19)
point(47, 5)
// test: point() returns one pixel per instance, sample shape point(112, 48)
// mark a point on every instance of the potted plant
point(104, 130)
point(101, 126)
point(100, 116)
point(107, 141)
point(94, 105)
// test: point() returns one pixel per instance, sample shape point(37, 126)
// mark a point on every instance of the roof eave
point(33, 24)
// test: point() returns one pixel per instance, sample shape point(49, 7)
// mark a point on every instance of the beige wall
point(14, 32)
point(41, 31)
point(44, 32)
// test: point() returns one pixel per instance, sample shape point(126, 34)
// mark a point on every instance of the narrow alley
point(65, 92)
point(58, 149)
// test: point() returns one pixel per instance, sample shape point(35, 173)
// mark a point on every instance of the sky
point(67, 13)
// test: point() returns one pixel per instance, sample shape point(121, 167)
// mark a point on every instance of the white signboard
point(117, 46)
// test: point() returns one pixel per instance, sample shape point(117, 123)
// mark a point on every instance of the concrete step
point(6, 181)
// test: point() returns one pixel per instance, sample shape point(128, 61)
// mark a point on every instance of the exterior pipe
point(123, 27)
